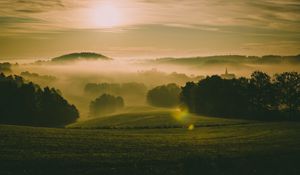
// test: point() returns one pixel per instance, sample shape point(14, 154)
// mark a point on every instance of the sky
point(148, 28)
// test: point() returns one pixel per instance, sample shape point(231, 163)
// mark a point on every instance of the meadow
point(146, 117)
point(212, 146)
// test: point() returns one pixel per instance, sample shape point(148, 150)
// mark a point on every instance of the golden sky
point(148, 28)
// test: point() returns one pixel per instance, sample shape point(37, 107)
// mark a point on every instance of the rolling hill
point(159, 118)
point(230, 59)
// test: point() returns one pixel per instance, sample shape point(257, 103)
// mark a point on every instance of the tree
point(164, 96)
point(188, 95)
point(258, 97)
point(216, 96)
point(106, 104)
point(28, 104)
point(288, 90)
point(261, 92)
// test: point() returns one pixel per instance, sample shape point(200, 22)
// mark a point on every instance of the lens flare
point(191, 127)
point(183, 116)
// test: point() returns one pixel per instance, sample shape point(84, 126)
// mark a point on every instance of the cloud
point(68, 14)
point(7, 20)
point(29, 6)
point(265, 14)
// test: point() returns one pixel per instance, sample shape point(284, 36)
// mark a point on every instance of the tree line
point(115, 88)
point(28, 104)
point(260, 96)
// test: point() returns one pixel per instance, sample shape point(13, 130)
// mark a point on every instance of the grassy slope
point(153, 118)
point(255, 148)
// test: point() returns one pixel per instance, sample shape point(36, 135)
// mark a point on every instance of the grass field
point(214, 146)
point(153, 118)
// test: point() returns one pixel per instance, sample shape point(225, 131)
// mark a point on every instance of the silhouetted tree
point(164, 96)
point(188, 95)
point(28, 104)
point(288, 91)
point(216, 96)
point(261, 92)
point(106, 104)
point(257, 97)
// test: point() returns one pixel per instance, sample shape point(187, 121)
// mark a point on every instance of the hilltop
point(80, 56)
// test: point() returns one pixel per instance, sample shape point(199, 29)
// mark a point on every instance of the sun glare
point(106, 15)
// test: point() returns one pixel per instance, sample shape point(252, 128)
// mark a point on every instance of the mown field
point(230, 147)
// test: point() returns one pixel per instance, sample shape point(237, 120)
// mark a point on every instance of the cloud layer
point(262, 19)
point(268, 14)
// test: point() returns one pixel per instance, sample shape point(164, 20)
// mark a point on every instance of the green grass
point(252, 148)
point(147, 118)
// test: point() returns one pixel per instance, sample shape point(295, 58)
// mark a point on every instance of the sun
point(106, 15)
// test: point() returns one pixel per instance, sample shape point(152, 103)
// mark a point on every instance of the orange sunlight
point(106, 15)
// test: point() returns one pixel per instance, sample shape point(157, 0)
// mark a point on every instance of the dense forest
point(259, 97)
point(28, 104)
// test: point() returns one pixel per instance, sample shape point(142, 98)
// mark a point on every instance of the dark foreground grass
point(255, 148)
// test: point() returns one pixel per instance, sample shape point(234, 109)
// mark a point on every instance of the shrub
point(106, 104)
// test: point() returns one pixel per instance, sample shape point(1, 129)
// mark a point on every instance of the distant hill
point(80, 56)
point(231, 59)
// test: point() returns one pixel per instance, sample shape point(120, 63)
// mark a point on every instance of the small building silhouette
point(227, 75)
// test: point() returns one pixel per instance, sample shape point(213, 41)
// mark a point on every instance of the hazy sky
point(148, 28)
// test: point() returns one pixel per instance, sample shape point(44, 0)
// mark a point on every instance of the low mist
point(71, 78)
